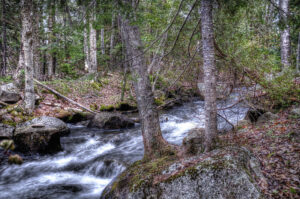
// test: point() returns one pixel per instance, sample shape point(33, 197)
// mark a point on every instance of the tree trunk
point(285, 34)
point(112, 41)
point(51, 22)
point(93, 46)
point(154, 144)
point(38, 70)
point(102, 42)
point(86, 47)
point(4, 40)
point(28, 55)
point(298, 55)
point(209, 74)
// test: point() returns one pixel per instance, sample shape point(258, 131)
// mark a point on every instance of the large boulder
point(193, 143)
point(108, 120)
point(224, 173)
point(40, 135)
point(6, 131)
point(9, 93)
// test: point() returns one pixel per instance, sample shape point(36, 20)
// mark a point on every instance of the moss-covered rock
point(223, 173)
point(108, 120)
point(6, 131)
point(40, 135)
point(15, 159)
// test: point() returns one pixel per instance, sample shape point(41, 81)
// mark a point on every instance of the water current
point(92, 158)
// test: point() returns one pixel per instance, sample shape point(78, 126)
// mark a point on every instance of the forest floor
point(96, 96)
point(276, 144)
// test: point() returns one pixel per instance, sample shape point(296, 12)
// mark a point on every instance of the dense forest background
point(73, 38)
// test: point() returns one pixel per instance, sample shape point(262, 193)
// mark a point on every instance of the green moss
point(93, 107)
point(142, 173)
point(10, 123)
point(96, 85)
point(107, 108)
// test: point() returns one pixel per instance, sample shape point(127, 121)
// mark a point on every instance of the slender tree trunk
point(28, 54)
point(4, 40)
point(209, 74)
point(86, 47)
point(112, 41)
point(285, 34)
point(154, 144)
point(93, 46)
point(298, 55)
point(38, 71)
point(51, 24)
point(102, 42)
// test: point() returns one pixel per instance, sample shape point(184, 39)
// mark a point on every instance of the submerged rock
point(9, 93)
point(108, 120)
point(224, 173)
point(6, 131)
point(40, 135)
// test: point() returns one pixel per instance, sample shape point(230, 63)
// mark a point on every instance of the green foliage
point(6, 79)
point(282, 90)
point(68, 69)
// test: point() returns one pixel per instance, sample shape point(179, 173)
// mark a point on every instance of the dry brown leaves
point(276, 144)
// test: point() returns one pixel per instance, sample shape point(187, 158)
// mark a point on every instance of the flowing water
point(93, 157)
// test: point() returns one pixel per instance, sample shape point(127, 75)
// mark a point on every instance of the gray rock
point(266, 117)
point(40, 135)
point(225, 174)
point(242, 123)
point(6, 131)
point(108, 120)
point(9, 93)
point(296, 112)
point(194, 142)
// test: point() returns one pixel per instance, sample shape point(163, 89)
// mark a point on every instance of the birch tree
point(93, 44)
point(285, 34)
point(28, 54)
point(209, 74)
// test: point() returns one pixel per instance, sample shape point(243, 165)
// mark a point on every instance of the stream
point(93, 157)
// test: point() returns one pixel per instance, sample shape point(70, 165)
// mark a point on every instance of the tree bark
point(298, 55)
point(102, 42)
point(86, 47)
point(93, 45)
point(38, 70)
point(285, 34)
point(4, 40)
point(51, 22)
point(154, 144)
point(112, 41)
point(28, 55)
point(209, 74)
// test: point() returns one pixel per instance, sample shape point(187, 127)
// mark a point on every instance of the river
point(93, 157)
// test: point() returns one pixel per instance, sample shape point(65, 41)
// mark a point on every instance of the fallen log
point(63, 97)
